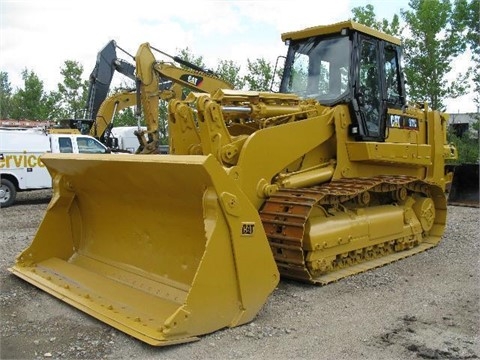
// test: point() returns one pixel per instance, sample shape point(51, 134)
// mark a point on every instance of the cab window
point(369, 86)
point(392, 76)
point(65, 145)
point(320, 69)
point(89, 146)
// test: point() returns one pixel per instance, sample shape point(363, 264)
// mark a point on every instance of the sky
point(40, 35)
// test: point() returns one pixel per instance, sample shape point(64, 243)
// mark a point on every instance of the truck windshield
point(319, 68)
point(90, 146)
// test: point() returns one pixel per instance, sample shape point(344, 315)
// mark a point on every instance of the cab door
point(371, 108)
point(378, 87)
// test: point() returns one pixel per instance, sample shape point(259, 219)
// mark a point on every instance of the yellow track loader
point(334, 175)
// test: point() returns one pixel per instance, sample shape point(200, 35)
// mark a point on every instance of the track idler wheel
point(424, 208)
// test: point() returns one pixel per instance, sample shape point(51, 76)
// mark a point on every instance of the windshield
point(320, 68)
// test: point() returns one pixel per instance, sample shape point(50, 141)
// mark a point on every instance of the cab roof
point(336, 28)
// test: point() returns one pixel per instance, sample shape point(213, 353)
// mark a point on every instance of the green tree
point(436, 38)
point(366, 15)
point(229, 71)
point(125, 117)
point(467, 147)
point(50, 102)
point(472, 23)
point(163, 122)
point(31, 102)
point(5, 95)
point(187, 55)
point(473, 41)
point(73, 91)
point(259, 76)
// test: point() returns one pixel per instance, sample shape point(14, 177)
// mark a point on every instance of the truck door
point(37, 175)
point(25, 164)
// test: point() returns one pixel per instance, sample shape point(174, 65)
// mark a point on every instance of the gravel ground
point(425, 306)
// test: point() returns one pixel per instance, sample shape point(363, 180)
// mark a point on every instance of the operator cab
point(347, 63)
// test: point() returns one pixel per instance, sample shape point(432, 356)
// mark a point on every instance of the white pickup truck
point(20, 166)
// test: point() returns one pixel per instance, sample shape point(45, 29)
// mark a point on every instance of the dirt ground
point(425, 306)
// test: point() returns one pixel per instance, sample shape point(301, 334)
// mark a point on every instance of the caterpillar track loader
point(334, 175)
point(155, 81)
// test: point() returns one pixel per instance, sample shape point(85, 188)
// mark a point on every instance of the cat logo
point(248, 228)
point(192, 79)
point(402, 122)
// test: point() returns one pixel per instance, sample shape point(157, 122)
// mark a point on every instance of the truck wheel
point(8, 193)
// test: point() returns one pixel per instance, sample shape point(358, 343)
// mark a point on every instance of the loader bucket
point(464, 190)
point(164, 248)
